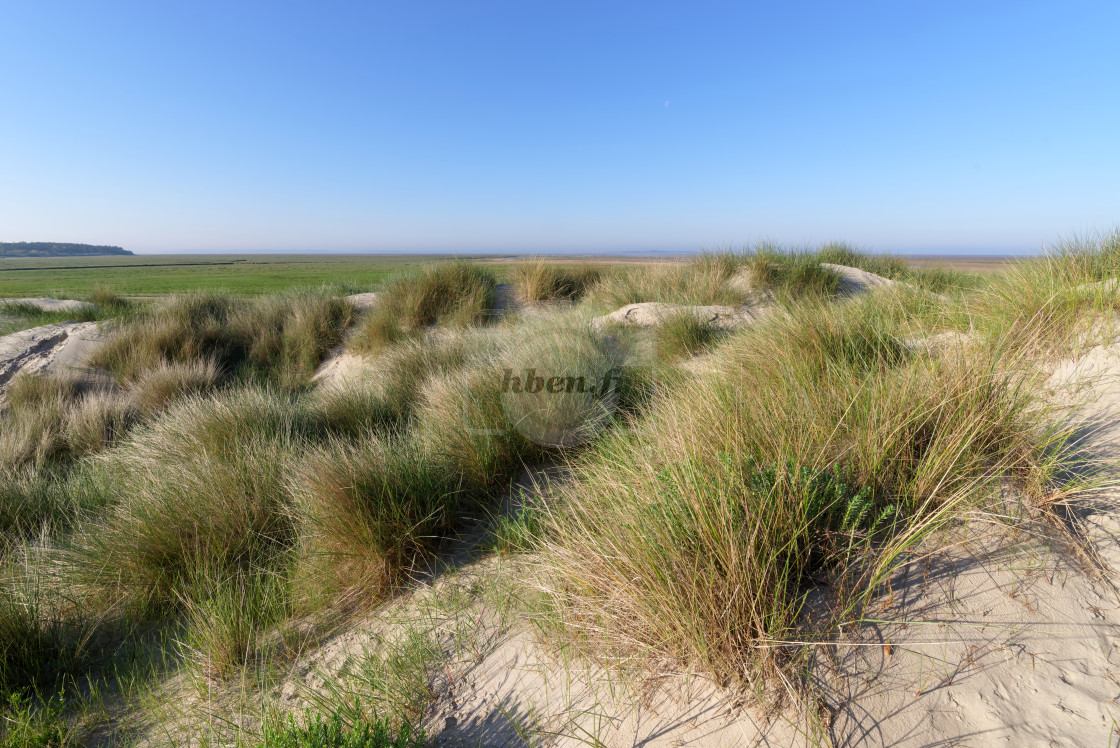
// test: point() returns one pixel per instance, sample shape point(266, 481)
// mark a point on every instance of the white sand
point(62, 348)
point(653, 313)
point(51, 305)
point(364, 301)
point(856, 281)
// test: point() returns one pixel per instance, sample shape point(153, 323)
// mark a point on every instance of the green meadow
point(152, 275)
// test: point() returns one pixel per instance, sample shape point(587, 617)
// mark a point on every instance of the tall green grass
point(784, 463)
point(277, 339)
point(726, 277)
point(1048, 305)
point(541, 280)
point(15, 316)
point(50, 419)
point(457, 294)
point(368, 514)
point(934, 279)
point(200, 487)
point(683, 334)
point(703, 281)
point(761, 272)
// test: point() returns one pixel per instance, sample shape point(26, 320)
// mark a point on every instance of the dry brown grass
point(162, 384)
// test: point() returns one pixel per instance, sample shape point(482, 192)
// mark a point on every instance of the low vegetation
point(317, 732)
point(222, 506)
point(17, 315)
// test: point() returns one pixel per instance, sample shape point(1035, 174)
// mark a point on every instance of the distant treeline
point(57, 249)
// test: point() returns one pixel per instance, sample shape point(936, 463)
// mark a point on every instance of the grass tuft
point(783, 463)
point(368, 514)
point(456, 294)
point(684, 335)
point(541, 280)
point(159, 386)
point(278, 340)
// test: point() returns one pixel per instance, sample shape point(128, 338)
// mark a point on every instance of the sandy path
point(62, 348)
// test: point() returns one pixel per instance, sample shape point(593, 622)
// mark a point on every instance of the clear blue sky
point(529, 126)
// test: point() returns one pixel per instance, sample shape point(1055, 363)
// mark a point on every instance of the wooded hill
point(57, 249)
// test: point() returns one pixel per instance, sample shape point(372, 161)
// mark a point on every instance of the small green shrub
point(317, 732)
point(28, 721)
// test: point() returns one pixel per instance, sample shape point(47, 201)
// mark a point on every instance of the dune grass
point(1048, 305)
point(199, 487)
point(722, 514)
point(278, 340)
point(457, 294)
point(224, 499)
point(541, 280)
point(726, 277)
point(49, 418)
point(369, 513)
point(703, 281)
point(940, 280)
point(683, 335)
point(762, 272)
point(157, 387)
point(15, 316)
point(226, 614)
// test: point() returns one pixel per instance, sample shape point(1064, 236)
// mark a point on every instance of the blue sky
point(586, 126)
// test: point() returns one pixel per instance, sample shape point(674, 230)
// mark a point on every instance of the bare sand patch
point(653, 313)
point(364, 301)
point(51, 305)
point(58, 349)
